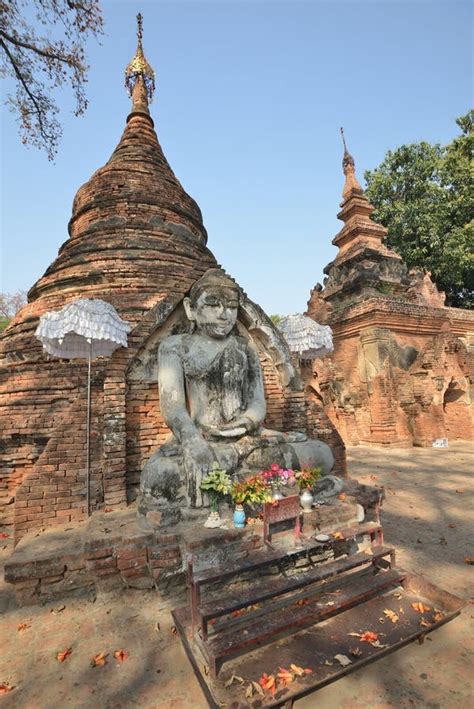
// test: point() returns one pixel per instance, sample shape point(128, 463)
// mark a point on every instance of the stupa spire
point(348, 166)
point(140, 76)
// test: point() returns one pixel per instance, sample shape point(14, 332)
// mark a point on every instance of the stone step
point(271, 556)
point(274, 587)
point(288, 620)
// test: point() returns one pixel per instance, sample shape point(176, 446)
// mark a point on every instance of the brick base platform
point(110, 551)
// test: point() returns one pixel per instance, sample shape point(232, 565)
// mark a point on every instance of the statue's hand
point(242, 422)
point(198, 460)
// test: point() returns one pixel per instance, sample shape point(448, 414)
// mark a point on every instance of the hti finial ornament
point(139, 66)
point(347, 159)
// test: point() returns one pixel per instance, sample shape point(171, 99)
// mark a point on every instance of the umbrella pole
point(88, 427)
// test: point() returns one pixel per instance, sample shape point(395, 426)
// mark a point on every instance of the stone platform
point(110, 551)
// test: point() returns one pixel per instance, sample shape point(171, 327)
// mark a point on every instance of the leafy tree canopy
point(42, 48)
point(423, 194)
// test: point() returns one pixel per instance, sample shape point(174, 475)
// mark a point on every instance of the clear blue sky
point(250, 97)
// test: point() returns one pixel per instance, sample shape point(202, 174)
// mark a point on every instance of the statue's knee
point(161, 479)
point(314, 454)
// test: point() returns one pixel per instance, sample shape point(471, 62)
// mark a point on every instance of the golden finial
point(139, 67)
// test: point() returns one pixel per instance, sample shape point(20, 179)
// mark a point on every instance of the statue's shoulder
point(172, 345)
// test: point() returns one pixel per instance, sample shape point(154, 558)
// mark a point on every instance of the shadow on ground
point(424, 518)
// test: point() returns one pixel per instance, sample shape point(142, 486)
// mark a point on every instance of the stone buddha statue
point(212, 398)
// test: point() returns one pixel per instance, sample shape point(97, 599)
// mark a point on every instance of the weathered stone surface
point(402, 369)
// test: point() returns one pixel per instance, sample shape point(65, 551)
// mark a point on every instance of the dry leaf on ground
point(99, 660)
point(424, 623)
point(249, 691)
point(173, 630)
point(61, 656)
point(342, 496)
point(23, 626)
point(258, 688)
point(343, 660)
point(452, 526)
point(338, 535)
point(469, 560)
point(121, 655)
point(392, 615)
point(355, 651)
point(438, 616)
point(420, 607)
point(57, 610)
point(377, 643)
point(460, 491)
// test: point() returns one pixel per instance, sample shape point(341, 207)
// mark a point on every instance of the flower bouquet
point(254, 490)
point(277, 477)
point(216, 484)
point(307, 478)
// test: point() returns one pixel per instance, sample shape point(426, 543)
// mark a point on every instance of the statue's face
point(214, 311)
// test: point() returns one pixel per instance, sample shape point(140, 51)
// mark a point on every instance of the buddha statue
point(212, 398)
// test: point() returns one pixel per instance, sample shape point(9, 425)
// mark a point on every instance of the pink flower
point(274, 468)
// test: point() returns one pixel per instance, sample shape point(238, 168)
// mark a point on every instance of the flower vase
point(239, 516)
point(306, 500)
point(277, 495)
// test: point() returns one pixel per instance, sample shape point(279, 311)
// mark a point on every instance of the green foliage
point(217, 481)
point(275, 319)
point(3, 323)
point(252, 491)
point(423, 194)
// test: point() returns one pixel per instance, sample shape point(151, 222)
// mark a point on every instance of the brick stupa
point(137, 241)
point(403, 363)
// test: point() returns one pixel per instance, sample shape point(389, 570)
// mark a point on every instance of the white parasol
point(83, 329)
point(305, 337)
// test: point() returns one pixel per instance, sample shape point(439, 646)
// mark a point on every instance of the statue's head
point(213, 304)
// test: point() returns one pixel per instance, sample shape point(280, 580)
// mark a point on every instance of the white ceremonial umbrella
point(83, 329)
point(305, 337)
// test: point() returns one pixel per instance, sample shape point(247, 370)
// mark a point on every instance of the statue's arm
point(257, 407)
point(172, 390)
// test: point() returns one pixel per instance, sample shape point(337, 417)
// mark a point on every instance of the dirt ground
point(427, 516)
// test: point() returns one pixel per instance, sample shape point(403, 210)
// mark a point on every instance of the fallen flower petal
point(420, 607)
point(369, 637)
point(23, 626)
point(99, 660)
point(120, 655)
point(5, 688)
point(62, 656)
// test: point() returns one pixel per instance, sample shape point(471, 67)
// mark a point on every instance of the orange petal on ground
point(61, 656)
point(120, 655)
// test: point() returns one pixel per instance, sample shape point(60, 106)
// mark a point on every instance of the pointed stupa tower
point(136, 239)
point(363, 263)
point(134, 231)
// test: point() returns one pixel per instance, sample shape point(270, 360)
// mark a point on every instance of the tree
point(42, 48)
point(10, 303)
point(423, 194)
